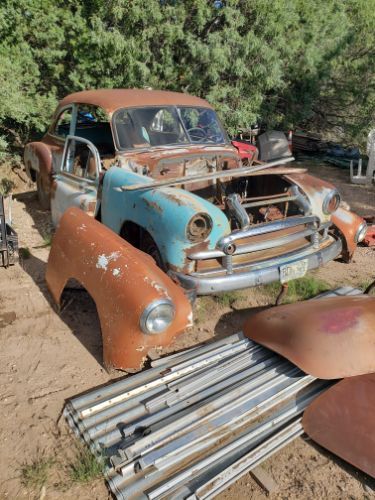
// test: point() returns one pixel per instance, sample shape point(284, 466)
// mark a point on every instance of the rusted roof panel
point(112, 99)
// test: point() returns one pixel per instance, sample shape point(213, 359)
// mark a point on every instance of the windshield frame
point(226, 140)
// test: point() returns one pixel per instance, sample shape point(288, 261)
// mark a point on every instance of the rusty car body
point(329, 338)
point(342, 421)
point(156, 166)
point(139, 306)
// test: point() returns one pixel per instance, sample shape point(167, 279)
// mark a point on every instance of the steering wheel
point(198, 133)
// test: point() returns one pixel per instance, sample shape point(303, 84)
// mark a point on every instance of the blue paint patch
point(164, 212)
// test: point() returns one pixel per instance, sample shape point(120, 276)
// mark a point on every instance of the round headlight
point(199, 227)
point(361, 232)
point(157, 316)
point(331, 202)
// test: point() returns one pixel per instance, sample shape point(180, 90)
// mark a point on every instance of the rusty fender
point(123, 282)
point(328, 338)
point(348, 224)
point(342, 421)
point(38, 158)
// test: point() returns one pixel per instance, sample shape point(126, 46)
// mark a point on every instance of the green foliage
point(6, 186)
point(285, 62)
point(85, 466)
point(300, 289)
point(226, 299)
point(35, 474)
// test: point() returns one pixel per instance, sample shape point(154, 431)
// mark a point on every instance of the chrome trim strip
point(265, 272)
point(267, 227)
point(254, 247)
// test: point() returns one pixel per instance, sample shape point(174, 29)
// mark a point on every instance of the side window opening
point(80, 161)
point(62, 126)
point(93, 124)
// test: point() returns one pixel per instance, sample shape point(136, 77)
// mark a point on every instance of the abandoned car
point(158, 168)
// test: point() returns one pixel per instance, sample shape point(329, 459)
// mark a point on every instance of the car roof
point(112, 99)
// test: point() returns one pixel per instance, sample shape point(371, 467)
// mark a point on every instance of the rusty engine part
point(330, 338)
point(342, 421)
point(139, 306)
point(8, 239)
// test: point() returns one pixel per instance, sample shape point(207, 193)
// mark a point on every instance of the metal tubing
point(172, 375)
point(263, 451)
point(206, 437)
point(247, 440)
point(85, 400)
point(222, 174)
point(268, 201)
point(233, 399)
point(188, 405)
point(237, 210)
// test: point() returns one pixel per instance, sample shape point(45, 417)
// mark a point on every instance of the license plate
point(293, 271)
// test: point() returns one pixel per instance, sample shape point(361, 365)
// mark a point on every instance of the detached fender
point(342, 421)
point(348, 224)
point(122, 280)
point(37, 158)
point(327, 338)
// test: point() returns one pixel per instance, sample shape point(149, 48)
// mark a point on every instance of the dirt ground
point(46, 357)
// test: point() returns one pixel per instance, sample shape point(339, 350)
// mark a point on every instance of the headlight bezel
point(362, 227)
point(150, 308)
point(328, 199)
point(194, 235)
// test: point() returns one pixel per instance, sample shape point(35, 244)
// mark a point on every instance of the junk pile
point(197, 420)
point(8, 239)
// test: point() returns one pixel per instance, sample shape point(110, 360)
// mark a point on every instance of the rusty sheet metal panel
point(348, 224)
point(112, 99)
point(342, 421)
point(330, 338)
point(123, 282)
point(315, 189)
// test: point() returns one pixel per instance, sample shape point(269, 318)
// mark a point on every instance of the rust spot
point(153, 205)
point(339, 321)
point(299, 333)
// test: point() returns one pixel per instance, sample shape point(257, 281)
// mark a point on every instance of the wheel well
point(32, 172)
point(132, 233)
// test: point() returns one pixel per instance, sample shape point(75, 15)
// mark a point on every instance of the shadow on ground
point(77, 309)
point(41, 218)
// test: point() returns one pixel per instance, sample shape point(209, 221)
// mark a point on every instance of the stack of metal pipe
point(195, 421)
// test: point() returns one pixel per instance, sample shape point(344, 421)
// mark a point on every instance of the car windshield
point(139, 128)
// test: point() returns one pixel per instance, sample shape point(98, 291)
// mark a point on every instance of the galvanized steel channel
point(196, 420)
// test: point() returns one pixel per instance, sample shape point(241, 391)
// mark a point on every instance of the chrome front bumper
point(261, 273)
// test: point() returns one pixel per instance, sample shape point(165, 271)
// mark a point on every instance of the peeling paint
point(104, 260)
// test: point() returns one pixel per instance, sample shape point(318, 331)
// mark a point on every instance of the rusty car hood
point(329, 338)
point(342, 421)
point(160, 160)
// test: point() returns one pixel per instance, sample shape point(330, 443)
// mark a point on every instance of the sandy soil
point(47, 357)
